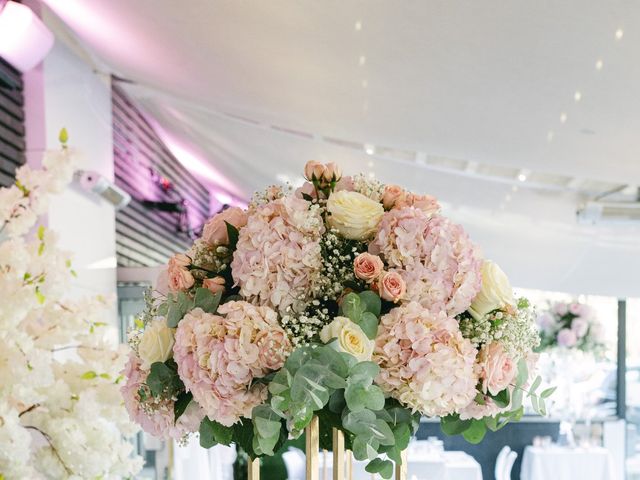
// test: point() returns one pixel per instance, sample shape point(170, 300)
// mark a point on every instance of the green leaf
point(369, 325)
point(502, 398)
point(213, 433)
point(308, 385)
point(476, 432)
point(363, 450)
point(164, 377)
point(41, 233)
point(337, 401)
point(63, 136)
point(548, 392)
point(523, 373)
point(181, 404)
point(452, 425)
point(535, 385)
point(383, 467)
point(371, 301)
point(90, 375)
point(364, 370)
point(233, 234)
point(352, 307)
point(402, 436)
point(207, 300)
point(178, 308)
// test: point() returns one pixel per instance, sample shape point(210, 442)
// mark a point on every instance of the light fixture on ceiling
point(599, 64)
point(370, 164)
point(358, 26)
point(365, 83)
point(522, 177)
point(619, 34)
point(369, 149)
point(577, 96)
point(24, 39)
point(563, 117)
point(362, 60)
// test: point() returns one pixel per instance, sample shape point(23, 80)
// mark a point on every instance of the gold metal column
point(312, 449)
point(401, 470)
point(338, 454)
point(253, 469)
point(349, 466)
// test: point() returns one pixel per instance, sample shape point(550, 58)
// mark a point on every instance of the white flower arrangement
point(61, 414)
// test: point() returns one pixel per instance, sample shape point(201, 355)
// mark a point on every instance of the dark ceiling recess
point(12, 125)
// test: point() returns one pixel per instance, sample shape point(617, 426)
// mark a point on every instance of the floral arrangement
point(61, 414)
point(571, 326)
point(348, 300)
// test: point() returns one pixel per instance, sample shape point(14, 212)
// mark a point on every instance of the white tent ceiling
point(471, 86)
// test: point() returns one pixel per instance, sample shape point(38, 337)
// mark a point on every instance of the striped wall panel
point(12, 142)
point(145, 235)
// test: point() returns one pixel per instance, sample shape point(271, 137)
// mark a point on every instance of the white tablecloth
point(561, 463)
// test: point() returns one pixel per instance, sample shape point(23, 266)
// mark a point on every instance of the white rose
point(496, 291)
point(355, 216)
point(351, 338)
point(156, 344)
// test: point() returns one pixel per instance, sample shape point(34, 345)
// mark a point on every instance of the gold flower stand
point(341, 457)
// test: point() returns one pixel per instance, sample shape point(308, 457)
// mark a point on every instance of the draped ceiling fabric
point(255, 89)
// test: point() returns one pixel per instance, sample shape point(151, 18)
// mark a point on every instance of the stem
point(69, 347)
point(31, 408)
point(55, 451)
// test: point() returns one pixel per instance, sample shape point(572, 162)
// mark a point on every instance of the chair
point(511, 458)
point(501, 463)
point(294, 461)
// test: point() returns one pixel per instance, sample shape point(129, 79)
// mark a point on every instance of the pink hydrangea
point(434, 256)
point(425, 362)
point(155, 416)
point(218, 356)
point(278, 256)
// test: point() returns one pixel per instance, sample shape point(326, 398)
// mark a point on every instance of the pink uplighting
point(24, 39)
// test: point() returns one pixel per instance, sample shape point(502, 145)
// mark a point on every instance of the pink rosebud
point(567, 338)
point(391, 194)
point(332, 172)
point(180, 277)
point(214, 285)
point(391, 286)
point(367, 267)
point(314, 170)
point(215, 230)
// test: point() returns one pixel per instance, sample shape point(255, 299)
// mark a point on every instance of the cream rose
point(353, 215)
point(498, 368)
point(367, 267)
point(496, 291)
point(215, 230)
point(391, 286)
point(156, 344)
point(351, 338)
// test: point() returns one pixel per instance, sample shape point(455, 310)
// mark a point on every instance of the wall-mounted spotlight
point(24, 39)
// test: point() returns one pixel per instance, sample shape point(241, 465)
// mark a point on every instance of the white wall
point(80, 100)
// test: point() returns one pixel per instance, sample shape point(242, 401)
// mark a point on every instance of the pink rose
point(567, 338)
point(332, 172)
point(580, 327)
point(314, 170)
point(215, 230)
point(367, 267)
point(498, 368)
point(180, 277)
point(391, 286)
point(215, 285)
point(426, 203)
point(391, 194)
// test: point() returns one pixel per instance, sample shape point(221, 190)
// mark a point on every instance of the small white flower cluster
point(208, 259)
point(338, 255)
point(514, 327)
point(301, 328)
point(368, 187)
point(272, 192)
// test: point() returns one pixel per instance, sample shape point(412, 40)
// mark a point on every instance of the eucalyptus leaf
point(207, 300)
point(213, 433)
point(369, 325)
point(181, 404)
point(233, 234)
point(383, 467)
point(371, 301)
point(476, 432)
point(352, 307)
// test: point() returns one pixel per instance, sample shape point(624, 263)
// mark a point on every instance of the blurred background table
point(563, 463)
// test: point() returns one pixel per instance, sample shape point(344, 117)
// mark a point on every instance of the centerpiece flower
point(349, 301)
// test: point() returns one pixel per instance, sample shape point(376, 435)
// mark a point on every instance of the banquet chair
point(511, 458)
point(501, 463)
point(295, 463)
